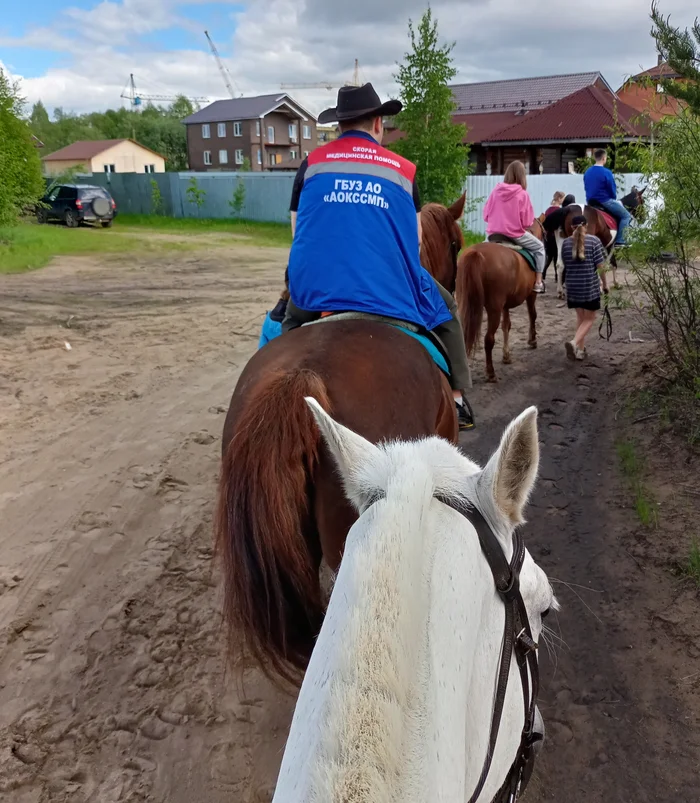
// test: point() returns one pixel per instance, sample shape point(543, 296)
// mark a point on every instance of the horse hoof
point(532, 344)
point(492, 379)
point(507, 360)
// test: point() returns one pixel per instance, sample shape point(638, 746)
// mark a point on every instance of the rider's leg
point(618, 211)
point(295, 317)
point(452, 335)
point(536, 248)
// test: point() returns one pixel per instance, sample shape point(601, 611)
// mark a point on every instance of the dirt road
point(112, 681)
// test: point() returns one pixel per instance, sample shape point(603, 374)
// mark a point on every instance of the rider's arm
point(612, 187)
point(417, 204)
point(296, 193)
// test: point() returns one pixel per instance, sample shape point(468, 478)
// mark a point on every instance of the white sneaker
point(580, 354)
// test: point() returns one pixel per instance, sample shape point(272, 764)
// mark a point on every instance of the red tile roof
point(481, 127)
point(587, 114)
point(663, 70)
point(88, 149)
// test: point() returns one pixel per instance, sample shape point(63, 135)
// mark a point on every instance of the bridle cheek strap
point(517, 639)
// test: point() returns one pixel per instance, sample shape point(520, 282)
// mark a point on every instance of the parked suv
point(77, 203)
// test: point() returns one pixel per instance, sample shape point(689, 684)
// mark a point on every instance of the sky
point(80, 53)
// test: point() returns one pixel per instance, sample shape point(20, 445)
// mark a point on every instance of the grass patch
point(271, 234)
point(691, 568)
point(29, 246)
point(633, 468)
point(675, 406)
point(472, 238)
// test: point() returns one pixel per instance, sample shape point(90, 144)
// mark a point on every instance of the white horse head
point(396, 705)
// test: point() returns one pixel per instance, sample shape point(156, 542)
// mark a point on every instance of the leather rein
point(517, 638)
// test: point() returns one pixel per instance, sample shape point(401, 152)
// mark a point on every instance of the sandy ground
point(113, 685)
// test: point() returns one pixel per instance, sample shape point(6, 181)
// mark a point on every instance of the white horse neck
point(396, 703)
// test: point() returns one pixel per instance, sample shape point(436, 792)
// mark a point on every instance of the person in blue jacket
point(599, 183)
point(356, 227)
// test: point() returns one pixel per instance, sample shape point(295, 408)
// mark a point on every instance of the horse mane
point(437, 226)
point(374, 675)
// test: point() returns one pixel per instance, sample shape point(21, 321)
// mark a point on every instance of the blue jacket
point(599, 183)
point(356, 242)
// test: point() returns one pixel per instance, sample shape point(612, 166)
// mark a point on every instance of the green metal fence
point(266, 194)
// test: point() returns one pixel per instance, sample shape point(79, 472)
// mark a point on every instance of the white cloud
point(295, 41)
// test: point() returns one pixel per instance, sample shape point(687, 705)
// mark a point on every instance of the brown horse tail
point(273, 602)
point(470, 295)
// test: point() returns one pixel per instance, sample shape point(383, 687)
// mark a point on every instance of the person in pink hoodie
point(509, 212)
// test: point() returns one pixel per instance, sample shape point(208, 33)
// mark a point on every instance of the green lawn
point(29, 246)
point(271, 234)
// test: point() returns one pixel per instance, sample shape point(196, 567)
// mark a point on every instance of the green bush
point(21, 183)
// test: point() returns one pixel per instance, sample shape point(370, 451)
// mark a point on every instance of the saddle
point(429, 340)
point(501, 239)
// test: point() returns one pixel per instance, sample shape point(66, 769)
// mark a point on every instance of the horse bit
point(518, 637)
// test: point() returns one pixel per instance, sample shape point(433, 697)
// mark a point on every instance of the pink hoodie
point(508, 211)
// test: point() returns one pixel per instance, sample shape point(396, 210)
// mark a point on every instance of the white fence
point(541, 189)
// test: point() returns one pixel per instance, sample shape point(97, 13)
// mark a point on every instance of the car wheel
point(71, 219)
point(107, 224)
point(42, 216)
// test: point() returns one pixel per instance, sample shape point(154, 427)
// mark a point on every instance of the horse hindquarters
point(470, 295)
point(272, 590)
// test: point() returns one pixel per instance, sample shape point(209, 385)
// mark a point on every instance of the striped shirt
point(582, 281)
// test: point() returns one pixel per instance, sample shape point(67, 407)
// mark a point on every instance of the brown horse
point(440, 224)
point(598, 227)
point(281, 507)
point(498, 278)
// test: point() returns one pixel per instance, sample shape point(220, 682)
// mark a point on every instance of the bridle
point(518, 638)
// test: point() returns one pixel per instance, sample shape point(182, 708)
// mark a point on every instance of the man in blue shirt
point(600, 187)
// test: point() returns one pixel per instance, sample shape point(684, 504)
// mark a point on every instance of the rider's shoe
point(465, 417)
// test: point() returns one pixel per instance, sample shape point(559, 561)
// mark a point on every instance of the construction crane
point(225, 74)
point(329, 85)
point(136, 98)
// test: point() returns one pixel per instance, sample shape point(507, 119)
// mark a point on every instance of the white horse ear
point(512, 470)
point(354, 455)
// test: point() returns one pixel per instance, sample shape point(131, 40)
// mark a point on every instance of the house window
point(221, 129)
point(259, 156)
point(223, 157)
point(149, 169)
point(109, 169)
point(273, 161)
point(239, 156)
point(306, 131)
point(293, 132)
point(306, 153)
point(206, 131)
point(257, 128)
point(207, 157)
point(271, 134)
point(292, 154)
point(238, 129)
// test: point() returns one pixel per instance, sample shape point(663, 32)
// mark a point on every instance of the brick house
point(643, 92)
point(547, 122)
point(272, 131)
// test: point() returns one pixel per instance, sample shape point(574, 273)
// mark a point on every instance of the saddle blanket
point(272, 329)
point(500, 239)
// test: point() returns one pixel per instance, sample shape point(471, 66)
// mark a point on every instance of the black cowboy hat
point(355, 102)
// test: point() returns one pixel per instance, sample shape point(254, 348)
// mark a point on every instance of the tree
point(681, 49)
point(431, 139)
point(21, 183)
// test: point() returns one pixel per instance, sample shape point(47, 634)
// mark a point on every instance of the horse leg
point(559, 265)
point(505, 326)
point(532, 312)
point(494, 319)
point(613, 265)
